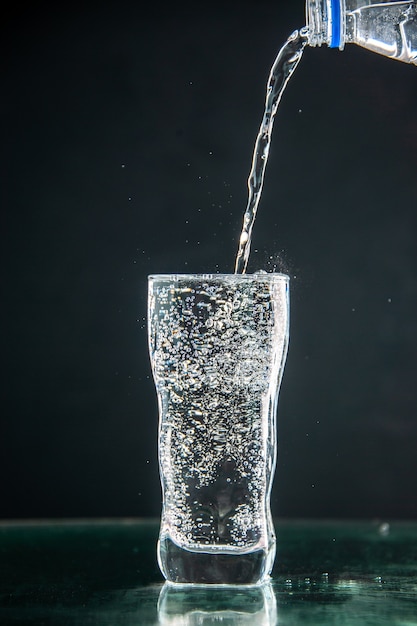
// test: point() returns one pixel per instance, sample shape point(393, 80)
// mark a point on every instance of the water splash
point(284, 65)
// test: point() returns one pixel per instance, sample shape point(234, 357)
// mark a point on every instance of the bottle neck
point(326, 23)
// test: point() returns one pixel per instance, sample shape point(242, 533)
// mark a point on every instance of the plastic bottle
point(388, 28)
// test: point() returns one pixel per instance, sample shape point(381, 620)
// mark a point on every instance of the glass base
point(179, 565)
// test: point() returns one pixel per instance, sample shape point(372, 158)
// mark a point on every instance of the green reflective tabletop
point(105, 573)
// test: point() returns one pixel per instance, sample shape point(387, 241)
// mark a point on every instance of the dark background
point(127, 136)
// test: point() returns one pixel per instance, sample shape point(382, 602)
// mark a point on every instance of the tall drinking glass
point(218, 344)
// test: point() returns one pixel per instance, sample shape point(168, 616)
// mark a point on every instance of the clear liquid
point(217, 349)
point(180, 565)
point(388, 28)
point(284, 65)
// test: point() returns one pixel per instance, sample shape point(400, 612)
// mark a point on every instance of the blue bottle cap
point(336, 23)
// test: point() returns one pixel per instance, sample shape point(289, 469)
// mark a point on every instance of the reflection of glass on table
point(181, 605)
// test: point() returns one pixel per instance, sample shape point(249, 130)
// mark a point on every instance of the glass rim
point(210, 276)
